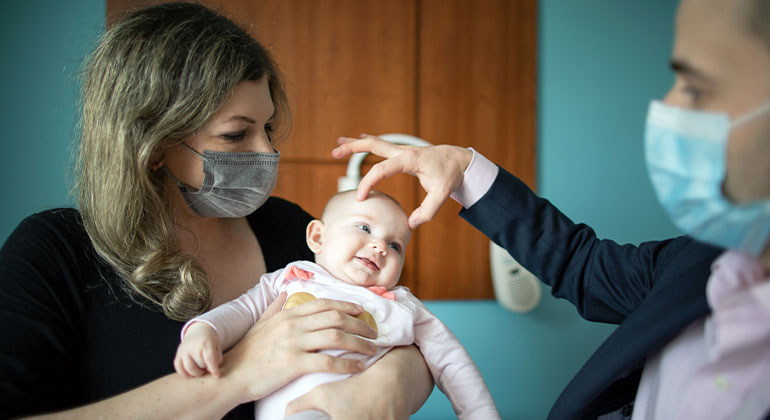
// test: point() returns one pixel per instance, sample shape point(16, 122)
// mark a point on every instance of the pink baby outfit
point(401, 320)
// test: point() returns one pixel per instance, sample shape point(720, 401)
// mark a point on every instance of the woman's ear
point(313, 235)
point(156, 160)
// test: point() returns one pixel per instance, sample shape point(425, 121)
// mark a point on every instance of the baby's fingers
point(179, 367)
point(191, 367)
point(212, 358)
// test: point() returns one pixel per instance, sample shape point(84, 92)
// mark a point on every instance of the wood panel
point(349, 66)
point(476, 87)
point(450, 71)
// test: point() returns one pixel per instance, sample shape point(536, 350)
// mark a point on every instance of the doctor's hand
point(439, 169)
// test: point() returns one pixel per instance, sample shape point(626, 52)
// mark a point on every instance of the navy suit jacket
point(653, 290)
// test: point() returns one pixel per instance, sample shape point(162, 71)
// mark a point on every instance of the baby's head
point(361, 242)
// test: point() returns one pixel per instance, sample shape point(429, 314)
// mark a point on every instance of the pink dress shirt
point(717, 367)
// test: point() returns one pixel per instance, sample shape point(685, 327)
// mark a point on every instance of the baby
point(359, 249)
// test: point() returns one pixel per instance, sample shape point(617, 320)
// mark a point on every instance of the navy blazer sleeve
point(606, 281)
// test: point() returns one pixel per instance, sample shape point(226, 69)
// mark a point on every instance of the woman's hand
point(393, 388)
point(284, 345)
point(439, 168)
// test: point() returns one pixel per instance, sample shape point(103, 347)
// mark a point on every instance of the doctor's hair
point(155, 78)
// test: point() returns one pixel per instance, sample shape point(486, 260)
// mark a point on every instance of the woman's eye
point(365, 228)
point(233, 137)
point(396, 247)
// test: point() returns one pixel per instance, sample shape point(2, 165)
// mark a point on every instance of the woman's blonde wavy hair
point(155, 78)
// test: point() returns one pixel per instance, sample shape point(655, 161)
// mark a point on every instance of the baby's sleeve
point(452, 368)
point(233, 319)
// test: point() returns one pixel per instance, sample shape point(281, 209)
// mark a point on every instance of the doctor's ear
point(313, 235)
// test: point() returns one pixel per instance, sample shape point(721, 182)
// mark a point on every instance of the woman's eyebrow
point(240, 118)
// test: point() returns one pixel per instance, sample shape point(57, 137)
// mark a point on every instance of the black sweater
point(69, 333)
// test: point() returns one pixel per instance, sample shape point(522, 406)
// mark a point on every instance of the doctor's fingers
point(428, 208)
point(366, 143)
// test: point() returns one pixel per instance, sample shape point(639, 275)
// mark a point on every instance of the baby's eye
point(396, 247)
point(365, 228)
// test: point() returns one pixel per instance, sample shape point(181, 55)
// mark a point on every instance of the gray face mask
point(234, 184)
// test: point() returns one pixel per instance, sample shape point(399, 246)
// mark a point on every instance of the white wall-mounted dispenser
point(515, 288)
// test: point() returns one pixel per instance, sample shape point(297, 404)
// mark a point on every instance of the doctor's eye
point(365, 228)
point(396, 247)
point(234, 137)
point(693, 93)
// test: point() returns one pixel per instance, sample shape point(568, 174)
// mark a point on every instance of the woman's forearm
point(170, 397)
point(413, 374)
point(416, 373)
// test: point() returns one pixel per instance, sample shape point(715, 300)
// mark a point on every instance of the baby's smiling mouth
point(366, 262)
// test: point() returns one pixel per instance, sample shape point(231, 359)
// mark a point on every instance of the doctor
point(694, 334)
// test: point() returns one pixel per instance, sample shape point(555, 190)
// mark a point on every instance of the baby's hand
point(199, 352)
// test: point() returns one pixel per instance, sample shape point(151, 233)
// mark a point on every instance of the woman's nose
point(261, 143)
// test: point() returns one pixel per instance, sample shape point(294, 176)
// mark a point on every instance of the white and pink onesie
point(401, 320)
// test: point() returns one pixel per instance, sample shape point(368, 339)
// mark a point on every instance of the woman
point(177, 159)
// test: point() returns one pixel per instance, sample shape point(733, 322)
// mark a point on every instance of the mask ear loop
point(175, 179)
point(747, 117)
point(200, 155)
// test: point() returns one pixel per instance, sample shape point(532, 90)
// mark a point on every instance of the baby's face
point(363, 242)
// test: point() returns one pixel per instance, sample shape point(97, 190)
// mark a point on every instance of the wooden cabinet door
point(450, 71)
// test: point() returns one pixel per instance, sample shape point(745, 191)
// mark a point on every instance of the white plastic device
point(515, 287)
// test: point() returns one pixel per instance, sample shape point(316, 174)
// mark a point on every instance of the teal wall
point(600, 62)
point(42, 44)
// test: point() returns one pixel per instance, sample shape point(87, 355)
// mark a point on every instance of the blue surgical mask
point(234, 184)
point(686, 154)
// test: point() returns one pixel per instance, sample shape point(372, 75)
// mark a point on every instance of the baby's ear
point(313, 235)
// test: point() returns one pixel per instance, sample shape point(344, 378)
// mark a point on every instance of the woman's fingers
point(319, 362)
point(329, 339)
point(274, 307)
point(338, 320)
point(323, 305)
